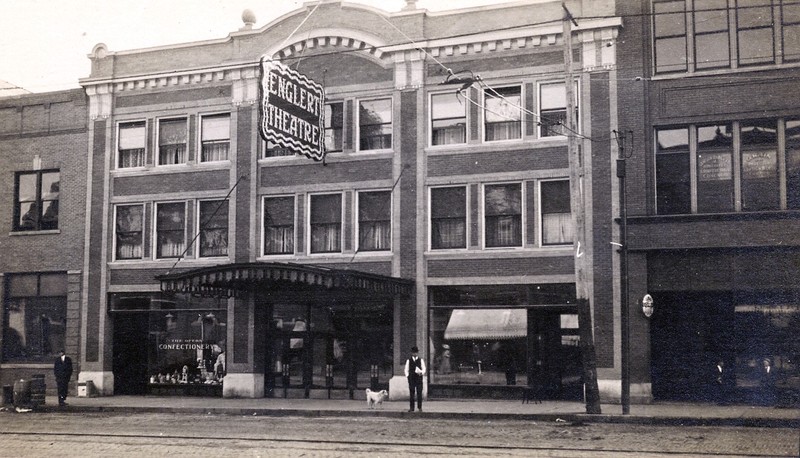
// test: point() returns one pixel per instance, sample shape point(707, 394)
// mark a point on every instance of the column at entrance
point(245, 348)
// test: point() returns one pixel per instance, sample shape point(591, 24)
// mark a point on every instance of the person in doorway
point(414, 370)
point(767, 382)
point(62, 369)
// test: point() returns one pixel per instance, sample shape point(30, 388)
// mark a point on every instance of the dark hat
point(414, 349)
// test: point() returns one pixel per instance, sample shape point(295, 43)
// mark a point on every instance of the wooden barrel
point(22, 393)
point(38, 389)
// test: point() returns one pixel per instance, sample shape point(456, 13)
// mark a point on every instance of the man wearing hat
point(414, 370)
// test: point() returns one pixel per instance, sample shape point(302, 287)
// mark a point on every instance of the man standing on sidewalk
point(414, 370)
point(63, 372)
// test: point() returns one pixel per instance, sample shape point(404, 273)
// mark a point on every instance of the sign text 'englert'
point(292, 113)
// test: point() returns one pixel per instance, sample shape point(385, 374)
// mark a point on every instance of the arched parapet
point(367, 45)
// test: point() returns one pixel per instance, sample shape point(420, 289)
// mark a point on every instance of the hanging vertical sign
point(292, 110)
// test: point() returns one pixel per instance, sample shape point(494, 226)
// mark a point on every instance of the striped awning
point(233, 279)
point(494, 324)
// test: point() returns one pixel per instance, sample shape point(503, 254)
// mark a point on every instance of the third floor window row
point(699, 35)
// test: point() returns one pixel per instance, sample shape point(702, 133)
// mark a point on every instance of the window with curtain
point(673, 181)
point(553, 108)
point(754, 23)
point(326, 223)
point(36, 200)
point(503, 113)
point(759, 162)
point(334, 127)
point(35, 318)
point(131, 145)
point(375, 124)
point(170, 229)
point(715, 168)
point(172, 141)
point(448, 119)
point(213, 228)
point(374, 221)
point(669, 30)
point(448, 218)
point(215, 137)
point(129, 235)
point(711, 34)
point(557, 225)
point(503, 215)
point(279, 225)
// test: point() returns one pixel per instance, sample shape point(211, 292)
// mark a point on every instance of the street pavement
point(474, 409)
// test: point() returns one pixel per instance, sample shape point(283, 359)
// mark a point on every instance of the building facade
point(712, 193)
point(43, 148)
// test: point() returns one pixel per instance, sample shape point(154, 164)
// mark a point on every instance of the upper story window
point(215, 137)
point(553, 108)
point(279, 225)
point(129, 233)
point(695, 35)
point(375, 124)
point(673, 182)
point(448, 119)
point(503, 215)
point(131, 145)
point(172, 135)
point(503, 113)
point(170, 229)
point(740, 167)
point(325, 217)
point(213, 230)
point(448, 217)
point(334, 127)
point(35, 319)
point(556, 214)
point(375, 221)
point(36, 200)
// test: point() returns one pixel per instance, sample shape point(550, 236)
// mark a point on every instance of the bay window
point(213, 219)
point(215, 137)
point(374, 221)
point(503, 215)
point(448, 217)
point(170, 229)
point(128, 237)
point(326, 223)
point(279, 225)
point(172, 141)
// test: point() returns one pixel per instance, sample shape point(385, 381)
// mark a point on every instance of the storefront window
point(35, 317)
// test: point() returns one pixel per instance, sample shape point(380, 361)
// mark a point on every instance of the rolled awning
point(495, 324)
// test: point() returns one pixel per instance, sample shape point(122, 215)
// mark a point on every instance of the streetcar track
point(416, 445)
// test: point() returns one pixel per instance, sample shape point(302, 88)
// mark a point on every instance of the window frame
point(576, 95)
point(521, 108)
point(358, 222)
point(185, 154)
point(264, 226)
point(359, 126)
point(686, 37)
point(333, 127)
point(431, 218)
point(156, 246)
point(739, 29)
point(38, 201)
point(141, 236)
point(485, 217)
point(541, 213)
point(199, 226)
point(119, 151)
point(310, 224)
point(200, 150)
point(432, 129)
point(723, 31)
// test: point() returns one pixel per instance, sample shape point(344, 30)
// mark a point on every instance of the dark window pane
point(448, 218)
point(326, 223)
point(673, 185)
point(715, 169)
point(214, 228)
point(374, 221)
point(129, 232)
point(793, 164)
point(279, 225)
point(557, 224)
point(170, 228)
point(503, 212)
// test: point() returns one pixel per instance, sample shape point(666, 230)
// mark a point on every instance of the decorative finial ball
point(248, 17)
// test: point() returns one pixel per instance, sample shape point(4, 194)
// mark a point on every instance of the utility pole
point(578, 208)
point(624, 306)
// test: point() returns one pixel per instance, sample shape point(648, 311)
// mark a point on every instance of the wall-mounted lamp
point(647, 305)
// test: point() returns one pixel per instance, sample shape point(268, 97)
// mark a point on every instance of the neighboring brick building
point(43, 148)
point(713, 186)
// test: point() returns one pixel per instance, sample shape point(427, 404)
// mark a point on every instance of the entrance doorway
point(129, 353)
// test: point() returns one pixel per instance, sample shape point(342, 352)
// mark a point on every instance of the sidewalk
point(658, 413)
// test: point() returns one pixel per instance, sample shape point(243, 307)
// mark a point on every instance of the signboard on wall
point(292, 110)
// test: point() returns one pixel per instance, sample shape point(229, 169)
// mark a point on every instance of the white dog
point(376, 398)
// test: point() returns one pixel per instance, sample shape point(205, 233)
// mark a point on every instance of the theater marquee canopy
point(234, 279)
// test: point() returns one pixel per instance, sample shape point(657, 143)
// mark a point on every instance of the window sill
point(521, 252)
point(26, 233)
point(505, 145)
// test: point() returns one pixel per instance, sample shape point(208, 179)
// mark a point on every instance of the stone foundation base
point(243, 386)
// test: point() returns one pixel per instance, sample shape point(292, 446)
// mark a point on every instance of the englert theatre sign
point(292, 111)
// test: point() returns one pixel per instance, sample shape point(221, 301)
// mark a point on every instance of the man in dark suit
point(63, 372)
point(414, 370)
point(767, 382)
